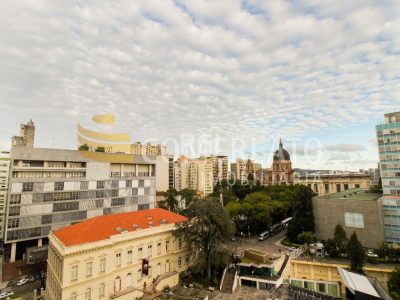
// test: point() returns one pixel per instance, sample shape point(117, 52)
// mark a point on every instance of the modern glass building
point(388, 136)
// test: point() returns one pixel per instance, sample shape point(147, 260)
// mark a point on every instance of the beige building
point(356, 210)
point(241, 169)
point(26, 136)
point(4, 174)
point(200, 174)
point(323, 184)
point(119, 256)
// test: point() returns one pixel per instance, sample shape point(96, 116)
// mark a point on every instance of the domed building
point(281, 171)
point(282, 167)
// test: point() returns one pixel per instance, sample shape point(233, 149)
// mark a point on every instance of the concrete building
point(200, 174)
point(26, 136)
point(4, 175)
point(53, 188)
point(324, 277)
point(241, 169)
point(323, 184)
point(356, 210)
point(124, 256)
point(388, 136)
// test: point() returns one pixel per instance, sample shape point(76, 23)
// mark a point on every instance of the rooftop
point(352, 194)
point(103, 227)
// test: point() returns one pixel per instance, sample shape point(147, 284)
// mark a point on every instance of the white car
point(22, 281)
point(370, 253)
point(5, 295)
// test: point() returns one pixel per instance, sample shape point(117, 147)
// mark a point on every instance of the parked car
point(22, 281)
point(371, 253)
point(5, 295)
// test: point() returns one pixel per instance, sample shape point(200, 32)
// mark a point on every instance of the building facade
point(388, 136)
point(126, 255)
point(4, 175)
point(323, 184)
point(26, 136)
point(200, 174)
point(356, 210)
point(241, 169)
point(54, 188)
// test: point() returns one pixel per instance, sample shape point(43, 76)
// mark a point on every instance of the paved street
point(268, 245)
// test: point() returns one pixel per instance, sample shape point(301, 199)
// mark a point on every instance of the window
point(338, 188)
point(74, 273)
point(321, 287)
point(84, 185)
point(179, 262)
point(180, 243)
point(73, 296)
point(117, 201)
point(88, 294)
point(187, 259)
point(27, 187)
point(102, 265)
point(140, 275)
point(102, 288)
point(129, 279)
point(13, 223)
point(149, 250)
point(100, 184)
point(357, 185)
point(59, 186)
point(14, 210)
point(327, 188)
point(118, 259)
point(159, 247)
point(355, 220)
point(129, 183)
point(15, 199)
point(89, 267)
point(346, 186)
point(129, 258)
point(117, 284)
point(140, 253)
point(167, 246)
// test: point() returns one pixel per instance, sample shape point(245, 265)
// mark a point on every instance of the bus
point(286, 221)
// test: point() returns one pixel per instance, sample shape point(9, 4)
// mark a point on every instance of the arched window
point(167, 266)
point(117, 284)
point(158, 269)
point(88, 294)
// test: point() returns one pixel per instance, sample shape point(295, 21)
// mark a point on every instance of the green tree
point(100, 149)
point(206, 233)
point(306, 237)
point(356, 254)
point(340, 238)
point(188, 196)
point(170, 202)
point(83, 147)
point(394, 284)
point(302, 213)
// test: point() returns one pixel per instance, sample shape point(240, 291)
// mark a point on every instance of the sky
point(318, 74)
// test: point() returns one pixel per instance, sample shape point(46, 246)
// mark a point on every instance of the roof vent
point(163, 221)
point(136, 226)
point(122, 230)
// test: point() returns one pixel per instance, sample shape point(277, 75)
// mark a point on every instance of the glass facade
point(388, 136)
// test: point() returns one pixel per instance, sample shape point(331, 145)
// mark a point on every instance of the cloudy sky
point(319, 74)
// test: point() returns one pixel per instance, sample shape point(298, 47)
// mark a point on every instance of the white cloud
point(245, 69)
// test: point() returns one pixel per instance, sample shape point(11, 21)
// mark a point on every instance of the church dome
point(281, 153)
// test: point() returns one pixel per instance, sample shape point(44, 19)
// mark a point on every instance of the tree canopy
point(208, 230)
point(356, 254)
point(394, 284)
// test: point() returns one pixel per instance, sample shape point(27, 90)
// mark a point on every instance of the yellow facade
point(112, 268)
point(327, 272)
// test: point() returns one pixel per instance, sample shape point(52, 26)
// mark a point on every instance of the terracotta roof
point(102, 227)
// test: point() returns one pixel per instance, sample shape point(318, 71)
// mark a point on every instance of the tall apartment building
point(148, 149)
point(120, 256)
point(241, 169)
point(388, 135)
point(54, 188)
point(4, 174)
point(26, 136)
point(200, 174)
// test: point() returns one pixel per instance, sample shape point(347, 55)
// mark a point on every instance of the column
point(13, 252)
point(40, 242)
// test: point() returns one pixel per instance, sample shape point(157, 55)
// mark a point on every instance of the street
point(268, 245)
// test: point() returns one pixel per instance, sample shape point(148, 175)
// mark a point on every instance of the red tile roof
point(102, 227)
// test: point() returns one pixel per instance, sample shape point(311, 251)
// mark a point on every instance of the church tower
point(282, 166)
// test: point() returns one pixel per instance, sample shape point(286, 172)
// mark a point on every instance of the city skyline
point(243, 70)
